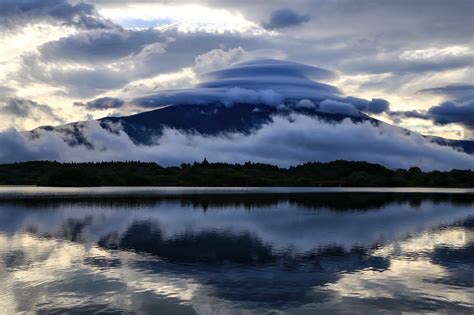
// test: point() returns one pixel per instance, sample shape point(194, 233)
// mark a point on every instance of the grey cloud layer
point(354, 37)
point(103, 57)
point(18, 109)
point(285, 18)
point(16, 13)
point(102, 103)
point(450, 112)
point(361, 52)
point(98, 56)
point(458, 109)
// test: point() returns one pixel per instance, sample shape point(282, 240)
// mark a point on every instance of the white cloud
point(188, 18)
point(335, 107)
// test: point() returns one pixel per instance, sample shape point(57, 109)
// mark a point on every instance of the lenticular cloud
point(267, 81)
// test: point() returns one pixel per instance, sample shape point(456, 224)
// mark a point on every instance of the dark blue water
point(228, 253)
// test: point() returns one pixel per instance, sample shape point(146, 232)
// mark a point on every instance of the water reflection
point(291, 253)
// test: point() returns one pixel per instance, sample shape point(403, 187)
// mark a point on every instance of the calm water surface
point(236, 251)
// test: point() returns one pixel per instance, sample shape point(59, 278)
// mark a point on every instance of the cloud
point(375, 106)
point(404, 53)
point(270, 82)
point(18, 110)
point(266, 81)
point(285, 18)
point(451, 112)
point(99, 45)
point(285, 141)
point(218, 59)
point(459, 108)
point(335, 107)
point(87, 64)
point(408, 114)
point(459, 93)
point(102, 103)
point(453, 91)
point(14, 14)
point(305, 104)
point(443, 114)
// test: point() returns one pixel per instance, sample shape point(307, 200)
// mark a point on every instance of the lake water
point(236, 251)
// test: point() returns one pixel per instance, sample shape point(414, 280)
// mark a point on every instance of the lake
point(149, 250)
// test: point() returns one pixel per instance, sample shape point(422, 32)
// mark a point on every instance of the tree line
point(313, 174)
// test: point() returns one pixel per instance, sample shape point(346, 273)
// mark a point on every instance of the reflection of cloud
point(276, 227)
point(411, 265)
point(331, 278)
point(57, 263)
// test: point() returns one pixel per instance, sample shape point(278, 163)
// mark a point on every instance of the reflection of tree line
point(354, 201)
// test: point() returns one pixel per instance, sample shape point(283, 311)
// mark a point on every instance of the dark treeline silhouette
point(336, 173)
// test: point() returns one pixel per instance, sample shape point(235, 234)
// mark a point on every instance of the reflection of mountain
point(210, 247)
point(254, 271)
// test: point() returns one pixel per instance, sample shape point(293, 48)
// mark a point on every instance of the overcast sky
point(59, 57)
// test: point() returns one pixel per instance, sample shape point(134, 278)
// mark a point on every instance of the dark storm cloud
point(101, 103)
point(16, 13)
point(285, 18)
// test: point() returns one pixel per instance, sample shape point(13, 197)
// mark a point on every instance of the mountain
point(216, 119)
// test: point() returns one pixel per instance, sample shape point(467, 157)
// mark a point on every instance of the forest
point(314, 174)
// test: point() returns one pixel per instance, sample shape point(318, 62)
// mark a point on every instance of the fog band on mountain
point(284, 142)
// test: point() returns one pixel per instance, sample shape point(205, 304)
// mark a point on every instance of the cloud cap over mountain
point(263, 81)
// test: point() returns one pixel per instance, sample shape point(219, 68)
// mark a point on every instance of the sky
point(66, 61)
